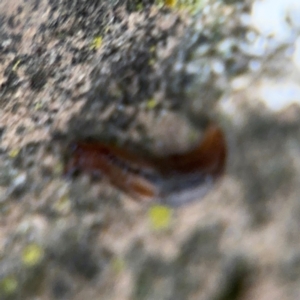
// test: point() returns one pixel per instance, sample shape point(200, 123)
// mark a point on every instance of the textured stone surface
point(148, 82)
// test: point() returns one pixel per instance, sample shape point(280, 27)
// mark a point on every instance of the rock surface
point(144, 73)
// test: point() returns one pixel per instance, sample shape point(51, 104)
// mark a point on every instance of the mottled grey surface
point(158, 71)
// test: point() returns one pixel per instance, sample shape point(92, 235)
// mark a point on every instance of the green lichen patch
point(32, 255)
point(8, 285)
point(160, 217)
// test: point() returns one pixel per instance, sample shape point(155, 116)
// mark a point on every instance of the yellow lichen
point(63, 205)
point(38, 105)
point(8, 285)
point(118, 264)
point(16, 65)
point(151, 62)
point(160, 217)
point(192, 6)
point(96, 43)
point(152, 49)
point(58, 169)
point(170, 3)
point(151, 103)
point(13, 153)
point(32, 255)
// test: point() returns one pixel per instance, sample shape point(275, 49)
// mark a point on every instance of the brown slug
point(174, 179)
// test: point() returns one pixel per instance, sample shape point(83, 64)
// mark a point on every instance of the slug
point(174, 179)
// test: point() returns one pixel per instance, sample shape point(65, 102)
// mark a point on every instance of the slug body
point(174, 179)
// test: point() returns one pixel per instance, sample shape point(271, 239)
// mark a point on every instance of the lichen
point(160, 217)
point(151, 103)
point(118, 264)
point(96, 43)
point(13, 153)
point(8, 285)
point(32, 254)
point(192, 6)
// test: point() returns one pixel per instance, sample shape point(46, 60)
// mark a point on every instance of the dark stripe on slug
point(190, 175)
point(208, 156)
point(172, 179)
